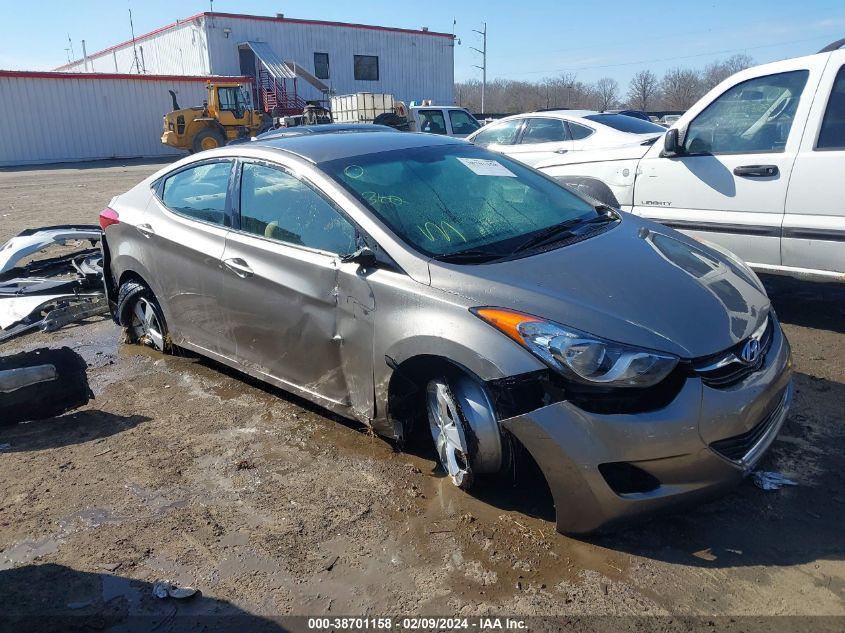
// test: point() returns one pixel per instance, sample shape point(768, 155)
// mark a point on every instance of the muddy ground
point(183, 470)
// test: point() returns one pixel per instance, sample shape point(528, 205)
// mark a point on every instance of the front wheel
point(140, 314)
point(207, 138)
point(464, 428)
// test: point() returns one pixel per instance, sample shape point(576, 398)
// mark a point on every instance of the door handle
point(146, 230)
point(561, 151)
point(756, 171)
point(239, 267)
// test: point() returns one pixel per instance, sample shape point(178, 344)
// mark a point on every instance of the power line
point(674, 57)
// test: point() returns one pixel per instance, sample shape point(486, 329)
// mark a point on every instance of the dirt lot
point(183, 470)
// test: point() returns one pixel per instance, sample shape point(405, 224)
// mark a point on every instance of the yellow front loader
point(227, 114)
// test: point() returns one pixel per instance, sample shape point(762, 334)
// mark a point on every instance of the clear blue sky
point(526, 40)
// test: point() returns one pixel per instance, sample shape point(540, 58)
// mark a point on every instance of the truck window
point(462, 122)
point(498, 133)
point(544, 131)
point(432, 122)
point(754, 116)
point(832, 134)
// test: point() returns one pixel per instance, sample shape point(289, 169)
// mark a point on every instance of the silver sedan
point(403, 279)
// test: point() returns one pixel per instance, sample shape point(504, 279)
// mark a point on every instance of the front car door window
point(754, 116)
point(462, 122)
point(277, 205)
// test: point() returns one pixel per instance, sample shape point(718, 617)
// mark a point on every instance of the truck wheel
point(139, 312)
point(207, 138)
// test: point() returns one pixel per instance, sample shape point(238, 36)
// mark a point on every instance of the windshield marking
point(427, 232)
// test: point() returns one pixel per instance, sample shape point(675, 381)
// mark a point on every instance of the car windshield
point(625, 123)
point(449, 199)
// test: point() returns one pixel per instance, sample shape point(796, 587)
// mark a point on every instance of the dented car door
point(284, 303)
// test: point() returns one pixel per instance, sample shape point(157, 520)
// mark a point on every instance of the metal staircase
point(275, 96)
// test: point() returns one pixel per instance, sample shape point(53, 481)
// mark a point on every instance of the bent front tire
point(464, 428)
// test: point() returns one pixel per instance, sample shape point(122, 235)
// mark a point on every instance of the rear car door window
point(199, 192)
point(504, 133)
point(432, 122)
point(754, 116)
point(578, 132)
point(462, 122)
point(544, 131)
point(276, 205)
point(832, 134)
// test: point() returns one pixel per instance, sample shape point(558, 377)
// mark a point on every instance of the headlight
point(580, 356)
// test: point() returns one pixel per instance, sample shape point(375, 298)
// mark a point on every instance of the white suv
point(756, 166)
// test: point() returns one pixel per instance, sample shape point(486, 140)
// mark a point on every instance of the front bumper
point(678, 446)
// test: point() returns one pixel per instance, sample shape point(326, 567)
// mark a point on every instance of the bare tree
point(606, 92)
point(681, 88)
point(717, 72)
point(642, 89)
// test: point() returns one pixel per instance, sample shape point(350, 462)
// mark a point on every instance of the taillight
point(108, 216)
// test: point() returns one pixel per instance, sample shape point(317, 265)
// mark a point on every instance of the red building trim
point(260, 18)
point(145, 36)
point(51, 74)
point(350, 25)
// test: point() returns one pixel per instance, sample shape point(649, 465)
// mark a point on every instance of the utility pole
point(137, 62)
point(483, 66)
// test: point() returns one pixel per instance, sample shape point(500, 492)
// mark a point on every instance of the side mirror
point(671, 144)
point(364, 257)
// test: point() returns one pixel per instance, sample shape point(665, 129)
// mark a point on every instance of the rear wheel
point(208, 138)
point(141, 315)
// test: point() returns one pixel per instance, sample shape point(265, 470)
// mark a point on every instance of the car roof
point(319, 148)
point(562, 113)
point(325, 128)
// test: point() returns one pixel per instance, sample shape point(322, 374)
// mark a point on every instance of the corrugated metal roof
point(274, 64)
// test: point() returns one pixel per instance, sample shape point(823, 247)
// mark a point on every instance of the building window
point(321, 65)
point(366, 67)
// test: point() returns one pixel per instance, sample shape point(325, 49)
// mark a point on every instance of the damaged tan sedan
point(396, 278)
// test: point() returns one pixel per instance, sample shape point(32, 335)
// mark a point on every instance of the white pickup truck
point(368, 107)
point(757, 166)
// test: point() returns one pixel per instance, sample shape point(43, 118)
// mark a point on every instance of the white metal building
point(63, 117)
point(349, 58)
point(110, 104)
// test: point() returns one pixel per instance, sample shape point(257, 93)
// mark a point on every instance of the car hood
point(628, 151)
point(638, 283)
